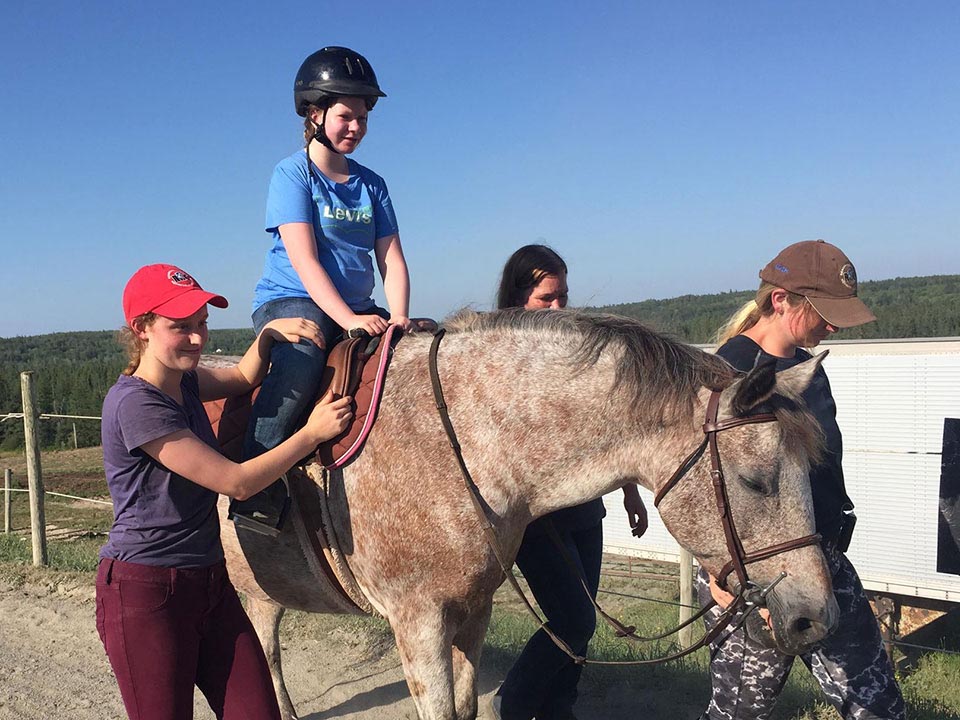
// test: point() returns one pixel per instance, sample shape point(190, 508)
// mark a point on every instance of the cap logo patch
point(848, 276)
point(780, 267)
point(180, 278)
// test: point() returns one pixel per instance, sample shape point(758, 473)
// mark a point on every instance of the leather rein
point(751, 595)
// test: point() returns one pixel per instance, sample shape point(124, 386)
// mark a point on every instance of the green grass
point(74, 555)
point(680, 688)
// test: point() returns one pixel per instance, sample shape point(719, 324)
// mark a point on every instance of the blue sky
point(661, 148)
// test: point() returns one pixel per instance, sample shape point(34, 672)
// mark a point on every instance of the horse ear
point(753, 389)
point(791, 383)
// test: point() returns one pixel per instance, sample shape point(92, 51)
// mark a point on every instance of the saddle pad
point(229, 419)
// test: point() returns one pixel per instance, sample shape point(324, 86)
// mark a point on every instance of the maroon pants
point(168, 629)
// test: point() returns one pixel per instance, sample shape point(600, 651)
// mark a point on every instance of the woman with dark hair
point(808, 292)
point(543, 681)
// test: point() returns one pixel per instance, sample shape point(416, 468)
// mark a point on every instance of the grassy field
point(929, 679)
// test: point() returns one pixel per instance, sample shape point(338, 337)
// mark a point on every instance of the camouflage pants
point(850, 665)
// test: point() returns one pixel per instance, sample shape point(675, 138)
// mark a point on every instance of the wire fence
point(670, 577)
point(64, 495)
point(674, 603)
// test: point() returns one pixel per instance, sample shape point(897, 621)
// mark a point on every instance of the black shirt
point(826, 478)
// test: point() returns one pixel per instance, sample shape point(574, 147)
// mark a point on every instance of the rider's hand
point(294, 330)
point(636, 510)
point(372, 324)
point(329, 417)
point(405, 323)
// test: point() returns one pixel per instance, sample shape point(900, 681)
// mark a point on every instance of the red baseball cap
point(825, 277)
point(165, 290)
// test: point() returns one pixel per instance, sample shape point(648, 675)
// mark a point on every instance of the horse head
point(762, 462)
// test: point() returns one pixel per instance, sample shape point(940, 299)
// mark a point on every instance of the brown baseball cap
point(825, 277)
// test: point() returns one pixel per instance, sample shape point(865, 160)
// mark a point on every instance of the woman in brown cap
point(808, 292)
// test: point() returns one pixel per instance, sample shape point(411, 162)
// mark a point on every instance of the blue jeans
point(543, 680)
point(290, 388)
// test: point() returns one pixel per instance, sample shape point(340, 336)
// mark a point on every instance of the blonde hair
point(131, 343)
point(761, 306)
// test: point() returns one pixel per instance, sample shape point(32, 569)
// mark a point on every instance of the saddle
point(317, 576)
point(356, 366)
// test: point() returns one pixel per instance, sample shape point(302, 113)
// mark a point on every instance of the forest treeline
point(73, 371)
point(905, 307)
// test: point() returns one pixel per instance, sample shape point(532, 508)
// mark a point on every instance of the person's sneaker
point(264, 512)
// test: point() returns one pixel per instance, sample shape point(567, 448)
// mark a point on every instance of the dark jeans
point(167, 629)
point(543, 680)
point(290, 388)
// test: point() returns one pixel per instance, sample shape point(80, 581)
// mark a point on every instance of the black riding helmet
point(334, 72)
point(331, 72)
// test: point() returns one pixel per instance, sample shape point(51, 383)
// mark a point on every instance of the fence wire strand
point(898, 643)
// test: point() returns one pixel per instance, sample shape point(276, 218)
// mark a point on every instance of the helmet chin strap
point(320, 135)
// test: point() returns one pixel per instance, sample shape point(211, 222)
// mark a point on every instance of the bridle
point(739, 558)
point(750, 596)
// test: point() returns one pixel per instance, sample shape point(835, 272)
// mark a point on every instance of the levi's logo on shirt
point(361, 215)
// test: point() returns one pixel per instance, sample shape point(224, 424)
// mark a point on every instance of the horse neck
point(538, 437)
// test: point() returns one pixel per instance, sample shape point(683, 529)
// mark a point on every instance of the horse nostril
point(809, 631)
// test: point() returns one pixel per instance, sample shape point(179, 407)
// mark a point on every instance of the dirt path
point(52, 665)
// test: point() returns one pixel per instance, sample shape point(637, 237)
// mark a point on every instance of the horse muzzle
point(798, 624)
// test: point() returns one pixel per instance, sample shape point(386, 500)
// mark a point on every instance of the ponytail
point(131, 343)
point(750, 312)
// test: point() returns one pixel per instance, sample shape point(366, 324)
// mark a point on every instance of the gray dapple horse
point(551, 409)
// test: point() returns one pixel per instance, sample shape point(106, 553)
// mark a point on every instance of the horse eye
point(756, 486)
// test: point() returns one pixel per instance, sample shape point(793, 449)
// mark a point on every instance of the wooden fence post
point(31, 417)
point(7, 484)
point(686, 596)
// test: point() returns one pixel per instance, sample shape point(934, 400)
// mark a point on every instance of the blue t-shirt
point(347, 219)
point(160, 518)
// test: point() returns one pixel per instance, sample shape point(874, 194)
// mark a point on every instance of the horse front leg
point(467, 645)
point(265, 616)
point(424, 646)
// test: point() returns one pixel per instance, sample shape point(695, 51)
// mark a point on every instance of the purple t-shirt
point(160, 518)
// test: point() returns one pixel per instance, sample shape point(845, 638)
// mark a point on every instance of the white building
point(892, 398)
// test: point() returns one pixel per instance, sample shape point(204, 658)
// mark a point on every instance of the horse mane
point(661, 375)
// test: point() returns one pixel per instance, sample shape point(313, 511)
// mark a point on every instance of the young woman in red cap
point(329, 217)
point(167, 613)
point(808, 292)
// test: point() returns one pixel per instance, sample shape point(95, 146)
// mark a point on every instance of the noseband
point(739, 558)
